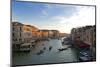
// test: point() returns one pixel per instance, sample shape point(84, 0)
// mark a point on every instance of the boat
point(26, 47)
point(41, 51)
point(66, 41)
point(44, 48)
point(62, 49)
point(50, 48)
point(85, 56)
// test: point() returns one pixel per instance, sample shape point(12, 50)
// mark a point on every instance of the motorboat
point(62, 49)
point(85, 56)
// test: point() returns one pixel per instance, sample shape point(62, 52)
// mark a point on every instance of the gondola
point(41, 51)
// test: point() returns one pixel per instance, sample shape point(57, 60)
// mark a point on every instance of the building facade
point(54, 34)
point(16, 34)
point(87, 35)
point(30, 33)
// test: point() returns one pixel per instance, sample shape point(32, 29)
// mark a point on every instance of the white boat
point(26, 47)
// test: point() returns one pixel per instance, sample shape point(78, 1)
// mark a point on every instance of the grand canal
point(49, 56)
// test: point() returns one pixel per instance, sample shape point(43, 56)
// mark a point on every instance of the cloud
point(61, 19)
point(85, 15)
point(45, 13)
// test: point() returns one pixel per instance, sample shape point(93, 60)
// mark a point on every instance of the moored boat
point(25, 47)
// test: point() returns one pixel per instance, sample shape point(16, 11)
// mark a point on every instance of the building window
point(20, 34)
point(20, 28)
point(13, 34)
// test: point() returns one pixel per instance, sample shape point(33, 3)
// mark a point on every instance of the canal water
point(52, 56)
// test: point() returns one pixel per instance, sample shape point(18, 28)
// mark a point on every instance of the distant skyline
point(53, 16)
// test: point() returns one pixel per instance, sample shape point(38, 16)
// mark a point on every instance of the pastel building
point(17, 34)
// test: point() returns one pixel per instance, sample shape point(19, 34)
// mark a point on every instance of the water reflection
point(49, 55)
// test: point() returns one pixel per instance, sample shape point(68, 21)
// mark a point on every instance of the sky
point(53, 16)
